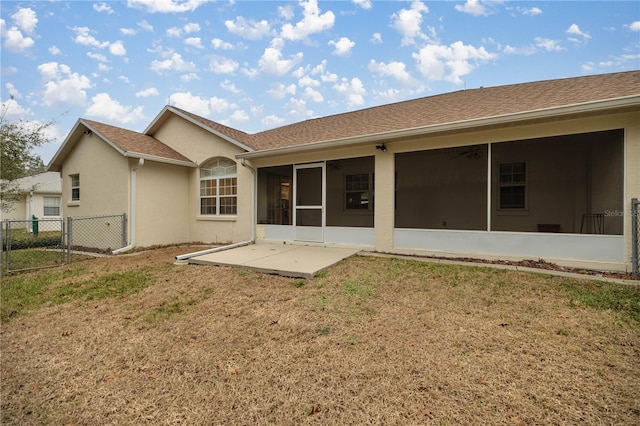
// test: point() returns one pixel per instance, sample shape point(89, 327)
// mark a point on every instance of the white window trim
point(514, 210)
point(217, 215)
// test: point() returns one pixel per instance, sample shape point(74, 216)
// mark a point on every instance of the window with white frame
point(358, 191)
point(218, 187)
point(51, 206)
point(75, 187)
point(513, 186)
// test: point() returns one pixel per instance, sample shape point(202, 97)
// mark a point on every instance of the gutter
point(553, 112)
point(132, 215)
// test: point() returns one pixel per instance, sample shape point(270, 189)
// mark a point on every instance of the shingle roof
point(136, 143)
point(453, 107)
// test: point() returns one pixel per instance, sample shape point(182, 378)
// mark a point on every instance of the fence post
point(124, 230)
point(3, 250)
point(635, 238)
point(69, 237)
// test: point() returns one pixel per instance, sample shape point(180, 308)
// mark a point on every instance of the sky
point(256, 65)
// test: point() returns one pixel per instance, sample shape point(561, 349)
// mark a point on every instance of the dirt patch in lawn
point(371, 341)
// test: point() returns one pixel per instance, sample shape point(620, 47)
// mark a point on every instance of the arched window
point(218, 187)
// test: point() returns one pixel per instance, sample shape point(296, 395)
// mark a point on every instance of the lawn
point(138, 340)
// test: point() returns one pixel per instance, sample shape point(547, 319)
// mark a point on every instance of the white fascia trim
point(207, 128)
point(627, 101)
point(130, 154)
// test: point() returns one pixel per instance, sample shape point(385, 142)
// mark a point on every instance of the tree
point(17, 159)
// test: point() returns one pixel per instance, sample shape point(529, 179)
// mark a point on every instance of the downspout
point(132, 215)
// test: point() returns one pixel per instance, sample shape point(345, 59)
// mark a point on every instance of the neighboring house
point(40, 197)
point(542, 170)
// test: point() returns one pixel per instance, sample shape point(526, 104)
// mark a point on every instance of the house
point(542, 170)
point(40, 197)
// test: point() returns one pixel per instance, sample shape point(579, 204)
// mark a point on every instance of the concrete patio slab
point(299, 261)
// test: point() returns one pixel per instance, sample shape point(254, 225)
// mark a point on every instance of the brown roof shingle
point(451, 108)
point(134, 142)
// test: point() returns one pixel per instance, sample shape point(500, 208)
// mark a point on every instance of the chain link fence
point(635, 236)
point(42, 243)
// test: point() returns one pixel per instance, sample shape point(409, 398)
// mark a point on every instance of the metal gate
point(43, 243)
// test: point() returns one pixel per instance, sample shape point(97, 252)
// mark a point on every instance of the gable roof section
point(465, 108)
point(235, 137)
point(126, 142)
point(43, 183)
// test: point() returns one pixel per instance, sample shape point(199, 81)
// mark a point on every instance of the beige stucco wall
point(104, 177)
point(162, 203)
point(199, 146)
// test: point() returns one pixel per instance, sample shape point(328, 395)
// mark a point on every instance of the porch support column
point(489, 187)
point(384, 199)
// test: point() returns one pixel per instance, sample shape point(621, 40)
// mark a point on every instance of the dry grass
point(372, 341)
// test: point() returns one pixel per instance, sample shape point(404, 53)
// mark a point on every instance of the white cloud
point(574, 30)
point(635, 26)
point(248, 29)
point(54, 50)
point(271, 121)
point(194, 42)
point(271, 61)
point(128, 31)
point(124, 79)
point(365, 4)
point(97, 56)
point(286, 12)
point(174, 63)
point(222, 65)
point(145, 26)
point(103, 106)
point(192, 27)
point(376, 38)
point(174, 32)
point(219, 44)
point(312, 22)
point(189, 77)
point(63, 86)
point(343, 46)
point(548, 44)
point(103, 7)
point(473, 7)
point(166, 6)
point(14, 41)
point(279, 90)
point(312, 94)
point(408, 22)
point(26, 20)
point(230, 87)
point(84, 38)
point(198, 105)
point(239, 116)
point(397, 70)
point(534, 11)
point(439, 62)
point(151, 91)
point(306, 81)
point(117, 49)
point(353, 90)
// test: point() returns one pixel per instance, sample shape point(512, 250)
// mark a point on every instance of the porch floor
point(289, 260)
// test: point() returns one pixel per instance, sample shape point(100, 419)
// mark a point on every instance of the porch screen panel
point(563, 184)
point(351, 192)
point(275, 186)
point(442, 189)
